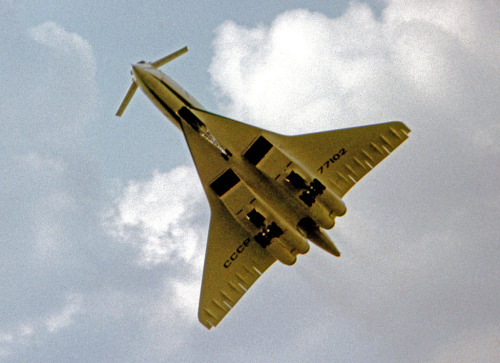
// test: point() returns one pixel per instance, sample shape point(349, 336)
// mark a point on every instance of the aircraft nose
point(138, 71)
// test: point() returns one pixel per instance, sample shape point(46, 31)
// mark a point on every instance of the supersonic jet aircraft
point(268, 193)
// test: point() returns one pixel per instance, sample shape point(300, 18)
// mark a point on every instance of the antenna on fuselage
point(156, 64)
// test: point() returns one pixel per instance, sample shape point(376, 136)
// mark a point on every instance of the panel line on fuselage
point(179, 96)
point(165, 106)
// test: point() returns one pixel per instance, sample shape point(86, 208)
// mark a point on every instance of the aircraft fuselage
point(274, 212)
point(269, 194)
point(163, 91)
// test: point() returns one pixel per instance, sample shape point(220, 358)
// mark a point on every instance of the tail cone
point(313, 233)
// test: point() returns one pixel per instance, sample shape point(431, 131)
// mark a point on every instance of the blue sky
point(103, 221)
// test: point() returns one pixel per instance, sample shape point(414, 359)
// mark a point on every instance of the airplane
point(269, 194)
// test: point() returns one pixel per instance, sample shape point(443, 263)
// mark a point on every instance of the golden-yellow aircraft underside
point(268, 193)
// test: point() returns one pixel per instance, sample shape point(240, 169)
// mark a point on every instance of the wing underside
point(234, 261)
point(340, 158)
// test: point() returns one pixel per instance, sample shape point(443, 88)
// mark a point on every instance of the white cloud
point(48, 190)
point(472, 23)
point(52, 93)
point(36, 329)
point(40, 166)
point(52, 200)
point(162, 216)
point(165, 217)
point(70, 44)
point(419, 228)
point(62, 88)
point(65, 317)
point(307, 72)
point(187, 297)
point(177, 306)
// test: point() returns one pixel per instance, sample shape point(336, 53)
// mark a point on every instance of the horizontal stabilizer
point(169, 57)
point(126, 100)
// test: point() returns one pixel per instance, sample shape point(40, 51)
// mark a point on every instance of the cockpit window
point(258, 150)
point(225, 182)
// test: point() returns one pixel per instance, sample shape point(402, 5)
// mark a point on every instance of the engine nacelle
point(332, 203)
point(311, 230)
point(323, 206)
point(281, 252)
point(296, 241)
point(284, 245)
point(321, 215)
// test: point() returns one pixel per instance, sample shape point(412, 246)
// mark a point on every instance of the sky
point(103, 222)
